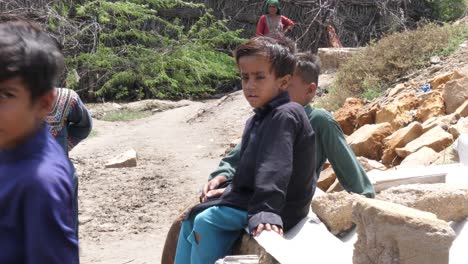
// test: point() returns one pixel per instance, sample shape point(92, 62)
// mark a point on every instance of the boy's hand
point(267, 227)
point(209, 189)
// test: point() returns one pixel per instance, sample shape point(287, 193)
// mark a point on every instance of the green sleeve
point(348, 169)
point(228, 164)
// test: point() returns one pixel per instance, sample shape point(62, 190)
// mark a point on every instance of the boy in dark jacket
point(36, 221)
point(273, 186)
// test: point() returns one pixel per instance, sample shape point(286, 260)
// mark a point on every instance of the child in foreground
point(36, 220)
point(274, 181)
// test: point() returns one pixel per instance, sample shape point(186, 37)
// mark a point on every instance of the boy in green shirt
point(330, 142)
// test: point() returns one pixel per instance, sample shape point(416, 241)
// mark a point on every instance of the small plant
point(125, 115)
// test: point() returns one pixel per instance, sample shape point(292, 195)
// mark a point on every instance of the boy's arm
point(228, 165)
point(49, 237)
point(349, 171)
point(273, 172)
point(79, 123)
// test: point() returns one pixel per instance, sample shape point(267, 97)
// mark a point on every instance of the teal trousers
point(210, 235)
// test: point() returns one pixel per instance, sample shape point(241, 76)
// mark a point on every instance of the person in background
point(70, 123)
point(272, 23)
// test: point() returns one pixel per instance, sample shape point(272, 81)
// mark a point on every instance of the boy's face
point(301, 92)
point(19, 117)
point(259, 82)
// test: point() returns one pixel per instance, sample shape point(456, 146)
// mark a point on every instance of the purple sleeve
point(48, 230)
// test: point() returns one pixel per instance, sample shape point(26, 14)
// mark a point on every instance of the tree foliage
point(134, 52)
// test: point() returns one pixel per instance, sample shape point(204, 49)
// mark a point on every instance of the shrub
point(139, 54)
point(376, 67)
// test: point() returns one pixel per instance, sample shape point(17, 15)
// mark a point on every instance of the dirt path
point(125, 213)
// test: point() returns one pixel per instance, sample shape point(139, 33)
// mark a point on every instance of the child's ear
point(285, 81)
point(312, 89)
point(45, 103)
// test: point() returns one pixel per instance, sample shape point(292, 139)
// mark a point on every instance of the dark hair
point(308, 67)
point(29, 53)
point(280, 55)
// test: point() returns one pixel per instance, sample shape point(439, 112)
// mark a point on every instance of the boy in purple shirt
point(36, 221)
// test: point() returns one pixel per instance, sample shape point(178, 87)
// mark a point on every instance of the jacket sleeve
point(273, 171)
point(49, 236)
point(261, 26)
point(228, 164)
point(79, 123)
point(287, 22)
point(348, 169)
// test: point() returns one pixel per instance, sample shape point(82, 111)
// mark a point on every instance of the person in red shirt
point(272, 23)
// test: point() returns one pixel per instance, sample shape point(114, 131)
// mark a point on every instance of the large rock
point(335, 187)
point(399, 139)
point(335, 211)
point(455, 93)
point(124, 160)
point(346, 115)
point(449, 203)
point(332, 58)
point(369, 164)
point(432, 106)
point(460, 128)
point(443, 121)
point(423, 157)
point(389, 233)
point(367, 115)
point(463, 109)
point(367, 140)
point(447, 156)
point(436, 138)
point(397, 89)
point(441, 79)
point(247, 245)
point(326, 179)
point(398, 113)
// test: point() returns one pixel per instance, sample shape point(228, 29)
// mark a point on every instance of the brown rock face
point(399, 139)
point(389, 233)
point(436, 138)
point(455, 94)
point(432, 106)
point(326, 179)
point(449, 203)
point(397, 113)
point(124, 160)
point(367, 115)
point(369, 164)
point(346, 115)
point(423, 157)
point(247, 245)
point(463, 109)
point(367, 140)
point(460, 128)
point(335, 211)
point(441, 79)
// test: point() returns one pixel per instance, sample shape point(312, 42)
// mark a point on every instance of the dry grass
point(371, 71)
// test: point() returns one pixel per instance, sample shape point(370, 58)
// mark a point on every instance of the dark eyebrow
point(8, 89)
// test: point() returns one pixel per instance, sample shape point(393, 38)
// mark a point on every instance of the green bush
point(140, 54)
point(376, 67)
point(448, 10)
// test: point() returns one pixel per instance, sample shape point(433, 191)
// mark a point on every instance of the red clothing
point(262, 28)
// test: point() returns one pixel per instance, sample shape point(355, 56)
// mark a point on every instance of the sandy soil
point(125, 213)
